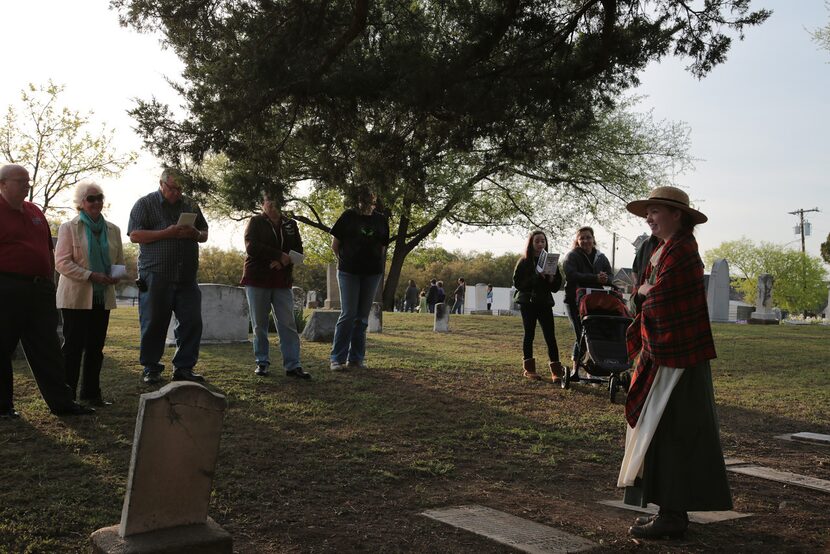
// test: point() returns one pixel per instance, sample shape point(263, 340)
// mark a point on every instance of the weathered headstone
point(225, 315)
point(320, 326)
point(717, 294)
point(332, 288)
point(175, 449)
point(442, 318)
point(827, 308)
point(763, 313)
point(376, 318)
point(299, 298)
point(311, 299)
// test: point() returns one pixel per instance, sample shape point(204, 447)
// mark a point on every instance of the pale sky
point(760, 123)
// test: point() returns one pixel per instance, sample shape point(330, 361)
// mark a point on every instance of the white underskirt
point(638, 439)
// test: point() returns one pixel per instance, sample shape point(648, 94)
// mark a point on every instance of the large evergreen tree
point(485, 113)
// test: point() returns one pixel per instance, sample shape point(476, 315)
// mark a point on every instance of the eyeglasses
point(172, 189)
point(95, 198)
point(26, 182)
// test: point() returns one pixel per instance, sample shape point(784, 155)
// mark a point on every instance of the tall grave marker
point(175, 448)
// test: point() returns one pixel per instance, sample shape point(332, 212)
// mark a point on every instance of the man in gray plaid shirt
point(168, 260)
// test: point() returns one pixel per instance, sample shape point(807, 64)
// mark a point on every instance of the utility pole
point(800, 213)
point(613, 251)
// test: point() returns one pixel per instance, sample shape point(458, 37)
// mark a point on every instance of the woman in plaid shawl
point(673, 456)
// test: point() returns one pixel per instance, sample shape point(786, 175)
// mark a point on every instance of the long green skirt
point(683, 468)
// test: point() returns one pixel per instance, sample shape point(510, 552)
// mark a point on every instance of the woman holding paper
point(272, 246)
point(534, 294)
point(585, 267)
point(90, 260)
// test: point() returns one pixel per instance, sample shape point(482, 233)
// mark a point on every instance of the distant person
point(361, 236)
point(27, 297)
point(585, 267)
point(489, 297)
point(267, 277)
point(411, 297)
point(441, 296)
point(458, 296)
point(432, 295)
point(422, 302)
point(87, 248)
point(673, 456)
point(168, 260)
point(644, 251)
point(534, 294)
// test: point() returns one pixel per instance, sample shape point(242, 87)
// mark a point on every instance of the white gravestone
point(376, 318)
point(480, 299)
point(225, 315)
point(332, 288)
point(175, 449)
point(717, 294)
point(442, 318)
point(763, 313)
point(311, 299)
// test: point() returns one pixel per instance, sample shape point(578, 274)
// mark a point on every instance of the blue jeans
point(458, 307)
point(261, 302)
point(162, 299)
point(356, 295)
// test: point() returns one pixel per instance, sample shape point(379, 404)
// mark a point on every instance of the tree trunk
point(398, 257)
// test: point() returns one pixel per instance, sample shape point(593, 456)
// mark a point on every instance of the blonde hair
point(82, 189)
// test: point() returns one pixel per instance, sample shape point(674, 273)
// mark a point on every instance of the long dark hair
point(529, 246)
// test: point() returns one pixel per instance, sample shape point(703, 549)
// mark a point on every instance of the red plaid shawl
point(672, 328)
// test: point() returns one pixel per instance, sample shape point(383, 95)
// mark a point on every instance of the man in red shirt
point(27, 295)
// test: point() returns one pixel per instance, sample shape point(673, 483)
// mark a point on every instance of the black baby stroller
point(601, 350)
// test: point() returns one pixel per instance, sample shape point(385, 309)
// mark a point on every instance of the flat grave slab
point(694, 517)
point(522, 534)
point(783, 477)
point(812, 438)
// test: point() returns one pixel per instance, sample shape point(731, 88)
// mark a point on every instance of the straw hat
point(667, 196)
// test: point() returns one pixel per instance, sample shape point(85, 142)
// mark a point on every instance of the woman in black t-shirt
point(360, 239)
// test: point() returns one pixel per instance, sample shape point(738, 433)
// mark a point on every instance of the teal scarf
point(99, 253)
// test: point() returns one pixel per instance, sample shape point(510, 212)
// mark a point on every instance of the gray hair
point(168, 171)
point(82, 189)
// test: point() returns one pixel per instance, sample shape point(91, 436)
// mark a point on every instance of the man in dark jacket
point(458, 296)
point(432, 295)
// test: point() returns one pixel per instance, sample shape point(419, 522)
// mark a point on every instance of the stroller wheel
point(613, 384)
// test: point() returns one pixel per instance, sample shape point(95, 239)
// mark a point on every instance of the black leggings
point(531, 313)
point(576, 325)
point(84, 335)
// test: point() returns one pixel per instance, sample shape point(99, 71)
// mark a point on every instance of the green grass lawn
point(347, 461)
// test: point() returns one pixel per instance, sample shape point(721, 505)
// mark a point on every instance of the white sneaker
point(337, 366)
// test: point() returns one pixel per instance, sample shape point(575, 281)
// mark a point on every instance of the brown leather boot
point(556, 372)
point(529, 366)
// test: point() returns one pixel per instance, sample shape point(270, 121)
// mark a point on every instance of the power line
point(800, 213)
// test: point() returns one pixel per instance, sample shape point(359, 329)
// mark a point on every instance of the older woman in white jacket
point(87, 247)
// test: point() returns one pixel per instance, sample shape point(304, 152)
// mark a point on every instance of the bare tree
point(56, 145)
